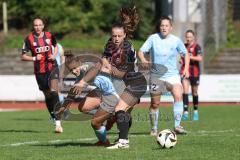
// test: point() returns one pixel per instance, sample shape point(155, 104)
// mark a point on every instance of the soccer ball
point(167, 138)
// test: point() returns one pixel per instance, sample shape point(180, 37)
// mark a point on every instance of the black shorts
point(136, 86)
point(194, 81)
point(43, 79)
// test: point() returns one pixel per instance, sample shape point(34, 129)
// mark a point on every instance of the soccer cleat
point(100, 143)
point(195, 116)
point(180, 130)
point(153, 132)
point(185, 116)
point(122, 143)
point(58, 129)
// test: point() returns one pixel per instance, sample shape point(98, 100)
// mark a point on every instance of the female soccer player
point(194, 74)
point(164, 49)
point(40, 44)
point(60, 59)
point(99, 102)
point(118, 61)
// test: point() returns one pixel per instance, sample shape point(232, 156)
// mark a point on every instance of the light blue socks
point(178, 111)
point(101, 134)
point(153, 116)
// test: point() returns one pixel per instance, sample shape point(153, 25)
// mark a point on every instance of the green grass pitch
point(29, 135)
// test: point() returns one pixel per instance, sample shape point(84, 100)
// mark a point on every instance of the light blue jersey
point(164, 51)
point(58, 57)
point(105, 84)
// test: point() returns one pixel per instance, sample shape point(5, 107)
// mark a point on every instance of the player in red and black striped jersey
point(40, 43)
point(194, 74)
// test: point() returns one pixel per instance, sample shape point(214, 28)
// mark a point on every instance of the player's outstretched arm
point(66, 104)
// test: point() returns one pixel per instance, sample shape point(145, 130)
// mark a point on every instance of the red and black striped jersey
point(40, 46)
point(194, 66)
point(122, 57)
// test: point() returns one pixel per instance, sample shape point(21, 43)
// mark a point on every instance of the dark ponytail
point(129, 19)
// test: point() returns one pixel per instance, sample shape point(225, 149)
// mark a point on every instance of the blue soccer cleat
point(185, 116)
point(195, 116)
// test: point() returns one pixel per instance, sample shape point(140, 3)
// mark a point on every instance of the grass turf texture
point(29, 135)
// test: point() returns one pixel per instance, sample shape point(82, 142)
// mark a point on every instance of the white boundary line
point(9, 110)
point(209, 132)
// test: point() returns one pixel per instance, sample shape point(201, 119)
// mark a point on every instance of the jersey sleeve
point(198, 50)
point(181, 47)
point(107, 50)
point(54, 41)
point(147, 45)
point(132, 54)
point(26, 46)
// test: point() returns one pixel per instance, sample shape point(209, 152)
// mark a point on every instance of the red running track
point(41, 105)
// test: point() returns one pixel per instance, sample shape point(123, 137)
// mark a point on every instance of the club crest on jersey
point(47, 41)
point(191, 50)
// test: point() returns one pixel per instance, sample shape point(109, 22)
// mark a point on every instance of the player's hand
point(60, 112)
point(186, 73)
point(144, 66)
point(39, 57)
point(106, 69)
point(78, 87)
point(51, 57)
point(65, 106)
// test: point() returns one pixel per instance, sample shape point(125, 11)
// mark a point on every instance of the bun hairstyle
point(129, 20)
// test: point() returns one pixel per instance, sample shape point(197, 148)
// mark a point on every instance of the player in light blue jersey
point(164, 49)
point(60, 59)
point(60, 54)
point(99, 102)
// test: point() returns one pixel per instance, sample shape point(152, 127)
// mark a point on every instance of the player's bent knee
point(155, 105)
point(178, 98)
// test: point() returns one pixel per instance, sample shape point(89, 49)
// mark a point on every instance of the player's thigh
point(155, 100)
point(194, 84)
point(98, 119)
point(54, 85)
point(177, 91)
point(127, 100)
point(109, 102)
point(42, 81)
point(122, 105)
point(185, 84)
point(91, 101)
point(53, 78)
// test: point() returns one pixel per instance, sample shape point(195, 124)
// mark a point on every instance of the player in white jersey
point(164, 48)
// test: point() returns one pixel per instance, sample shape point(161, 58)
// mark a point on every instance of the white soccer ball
point(167, 138)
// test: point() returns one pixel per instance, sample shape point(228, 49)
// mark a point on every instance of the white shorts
point(163, 85)
point(172, 80)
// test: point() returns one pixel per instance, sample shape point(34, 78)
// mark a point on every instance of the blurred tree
point(146, 13)
point(69, 16)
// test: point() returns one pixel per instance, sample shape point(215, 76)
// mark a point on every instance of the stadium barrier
point(213, 88)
